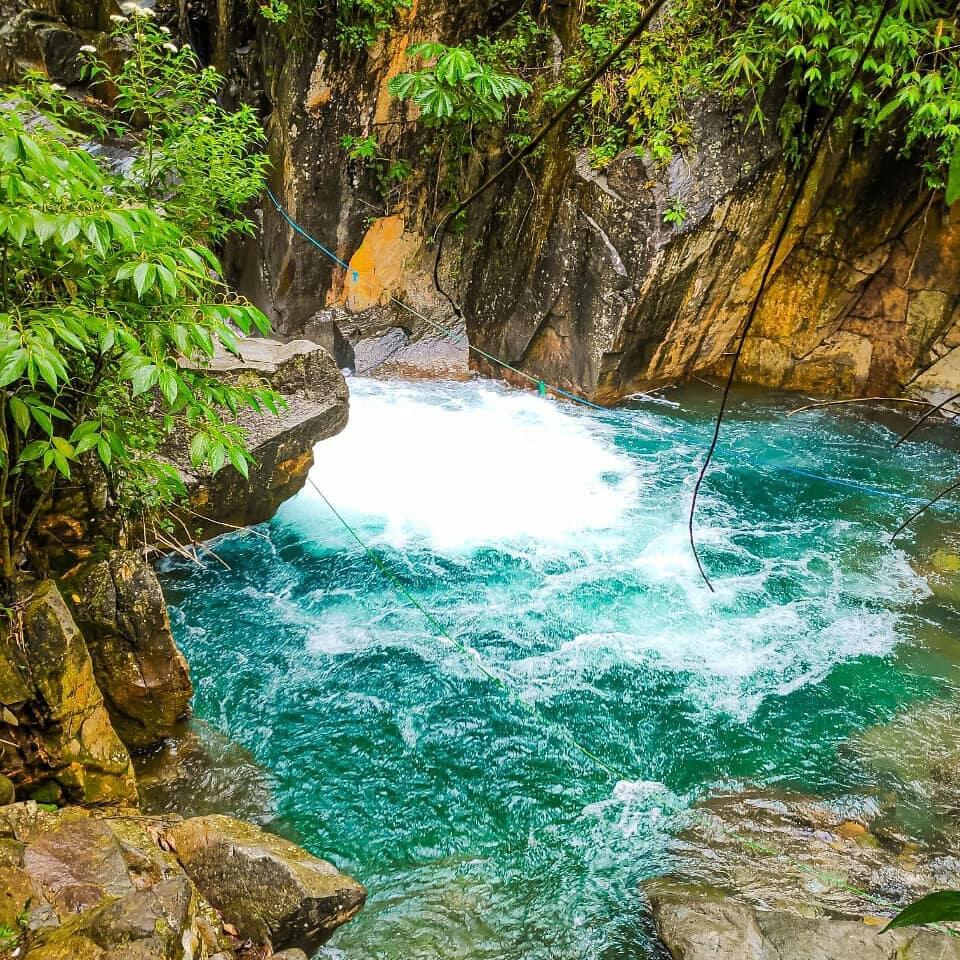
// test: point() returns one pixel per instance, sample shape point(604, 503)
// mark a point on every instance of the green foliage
point(676, 212)
point(454, 87)
point(9, 937)
point(953, 178)
point(940, 907)
point(460, 93)
point(276, 11)
point(111, 304)
point(199, 158)
point(390, 174)
point(361, 22)
point(911, 80)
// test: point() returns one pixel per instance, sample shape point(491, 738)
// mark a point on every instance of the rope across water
point(544, 388)
point(498, 678)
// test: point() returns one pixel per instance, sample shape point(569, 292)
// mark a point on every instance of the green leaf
point(20, 414)
point(168, 282)
point(61, 463)
point(953, 177)
point(33, 451)
point(13, 367)
point(198, 449)
point(144, 378)
point(86, 443)
point(143, 277)
point(65, 447)
point(44, 226)
point(47, 371)
point(104, 452)
point(934, 908)
point(43, 420)
point(218, 457)
point(239, 461)
point(168, 386)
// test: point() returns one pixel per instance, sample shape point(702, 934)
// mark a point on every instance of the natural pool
point(551, 540)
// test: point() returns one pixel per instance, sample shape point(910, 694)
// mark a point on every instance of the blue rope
point(303, 233)
point(582, 401)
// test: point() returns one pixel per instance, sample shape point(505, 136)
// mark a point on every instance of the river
point(503, 791)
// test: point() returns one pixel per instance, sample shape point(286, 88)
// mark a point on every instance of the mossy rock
point(7, 791)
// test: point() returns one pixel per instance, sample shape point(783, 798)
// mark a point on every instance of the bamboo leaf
point(934, 908)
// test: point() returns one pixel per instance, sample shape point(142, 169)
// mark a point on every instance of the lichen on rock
point(144, 678)
point(54, 725)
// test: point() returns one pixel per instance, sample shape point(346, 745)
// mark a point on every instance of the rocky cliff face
point(572, 274)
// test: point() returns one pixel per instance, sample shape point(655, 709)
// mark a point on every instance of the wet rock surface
point(759, 876)
point(74, 884)
point(55, 731)
point(267, 887)
point(696, 926)
point(317, 405)
point(915, 758)
point(119, 605)
point(197, 771)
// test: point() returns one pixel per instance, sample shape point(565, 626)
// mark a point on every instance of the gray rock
point(81, 885)
point(806, 856)
point(268, 888)
point(323, 329)
point(282, 447)
point(78, 865)
point(762, 876)
point(694, 926)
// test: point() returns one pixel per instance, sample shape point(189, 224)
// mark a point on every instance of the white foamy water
point(477, 465)
point(551, 543)
point(564, 534)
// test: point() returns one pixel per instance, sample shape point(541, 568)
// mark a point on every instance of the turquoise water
point(550, 541)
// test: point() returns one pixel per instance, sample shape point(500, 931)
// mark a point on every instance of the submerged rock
point(697, 926)
point(145, 680)
point(54, 725)
point(915, 758)
point(198, 771)
point(268, 888)
point(761, 876)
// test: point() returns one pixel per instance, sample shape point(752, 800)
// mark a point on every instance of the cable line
point(562, 732)
point(543, 387)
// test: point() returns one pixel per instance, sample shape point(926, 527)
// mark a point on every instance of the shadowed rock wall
point(571, 273)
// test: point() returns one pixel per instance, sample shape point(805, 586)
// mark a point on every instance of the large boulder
point(76, 884)
point(144, 678)
point(55, 731)
point(761, 876)
point(697, 927)
point(316, 396)
point(268, 888)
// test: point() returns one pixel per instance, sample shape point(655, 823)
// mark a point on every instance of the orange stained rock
point(378, 265)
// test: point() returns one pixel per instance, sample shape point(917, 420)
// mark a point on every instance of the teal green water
point(550, 540)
